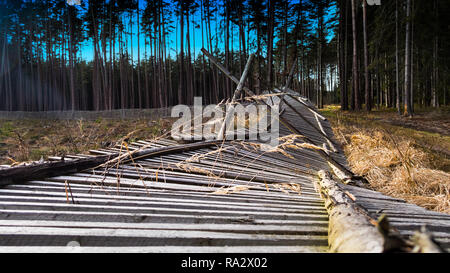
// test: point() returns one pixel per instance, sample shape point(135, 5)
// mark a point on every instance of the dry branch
point(230, 111)
point(23, 173)
point(291, 74)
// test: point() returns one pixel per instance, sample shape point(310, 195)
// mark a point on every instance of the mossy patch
point(6, 129)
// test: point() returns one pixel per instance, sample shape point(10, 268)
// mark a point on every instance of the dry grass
point(30, 140)
point(286, 187)
point(230, 190)
point(396, 163)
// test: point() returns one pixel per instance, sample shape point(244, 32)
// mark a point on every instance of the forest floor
point(30, 140)
point(407, 158)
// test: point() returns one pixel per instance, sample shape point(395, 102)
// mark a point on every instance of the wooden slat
point(159, 234)
point(95, 216)
point(167, 249)
point(140, 204)
point(44, 188)
point(233, 228)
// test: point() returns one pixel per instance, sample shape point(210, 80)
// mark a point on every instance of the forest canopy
point(145, 54)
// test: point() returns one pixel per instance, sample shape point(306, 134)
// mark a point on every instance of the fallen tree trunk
point(37, 171)
point(349, 179)
point(351, 230)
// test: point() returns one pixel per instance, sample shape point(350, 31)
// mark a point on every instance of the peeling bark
point(350, 227)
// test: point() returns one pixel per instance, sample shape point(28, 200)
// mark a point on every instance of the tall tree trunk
point(9, 86)
point(346, 59)
point(167, 94)
point(3, 105)
point(215, 80)
point(397, 72)
point(71, 49)
point(122, 80)
point(407, 101)
point(435, 92)
point(204, 92)
point(227, 50)
point(386, 80)
point(147, 87)
point(181, 83)
point(412, 60)
point(343, 55)
point(357, 102)
point(112, 59)
point(270, 34)
point(32, 86)
point(190, 80)
point(285, 44)
point(132, 94)
point(319, 59)
point(160, 58)
point(139, 89)
point(366, 60)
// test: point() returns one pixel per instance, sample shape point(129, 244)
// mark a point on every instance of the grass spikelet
point(230, 190)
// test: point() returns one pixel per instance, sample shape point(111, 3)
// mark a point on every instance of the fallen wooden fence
point(42, 170)
point(162, 196)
